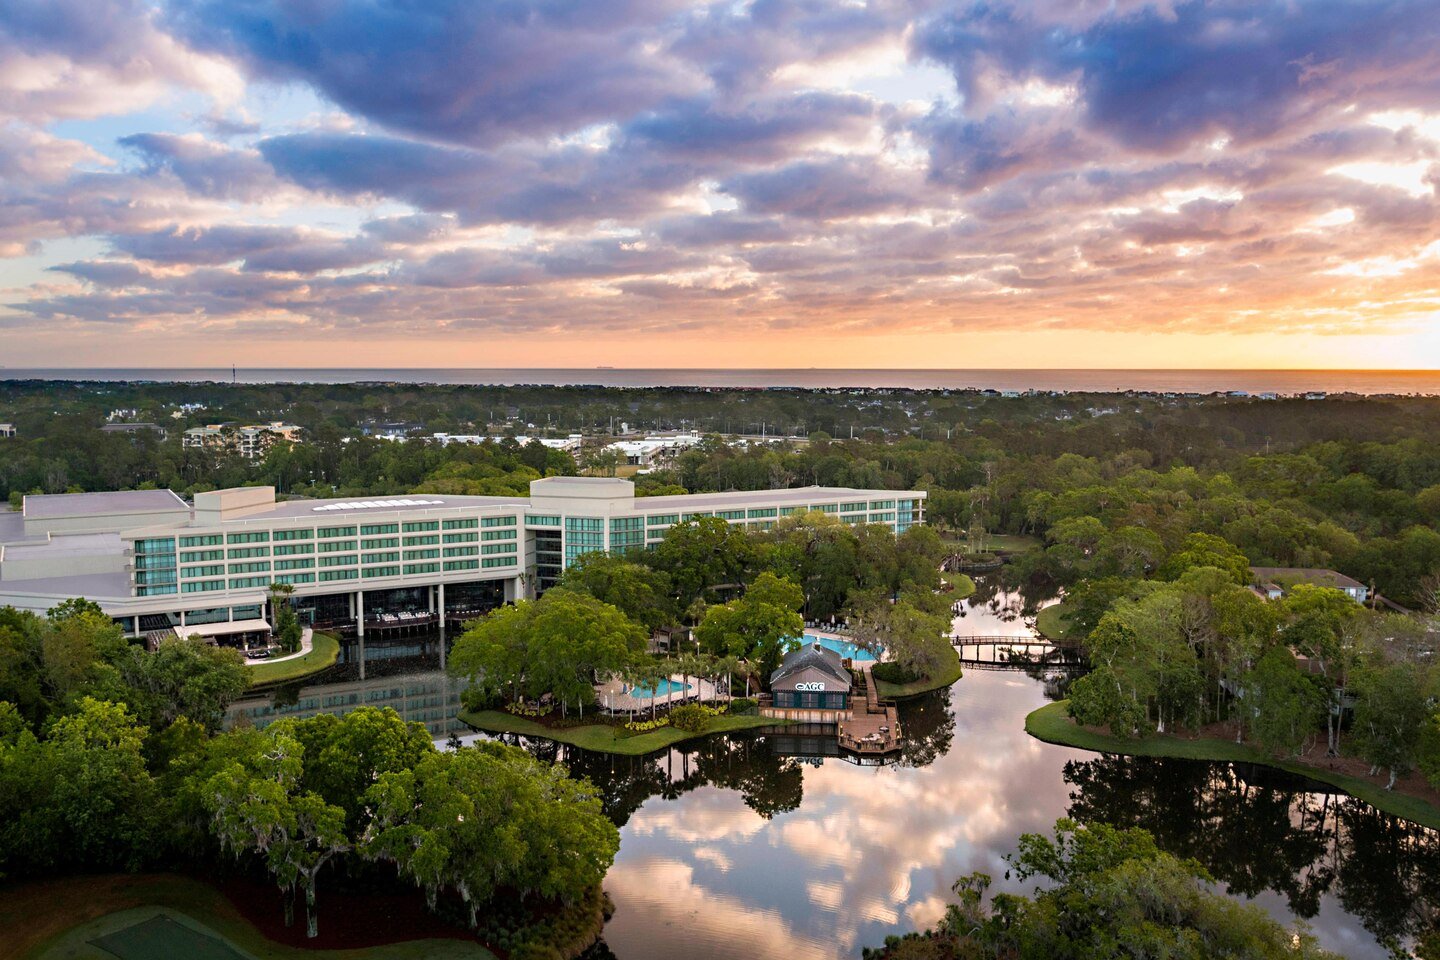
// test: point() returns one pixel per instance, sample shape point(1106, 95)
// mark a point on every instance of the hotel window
point(326, 576)
point(531, 520)
point(343, 560)
point(419, 526)
point(294, 549)
point(156, 545)
point(200, 556)
point(663, 520)
point(498, 535)
point(882, 504)
point(243, 583)
point(462, 523)
point(338, 546)
point(826, 508)
point(424, 541)
point(258, 567)
point(882, 518)
point(506, 521)
point(386, 556)
point(247, 553)
point(379, 543)
point(295, 579)
point(496, 562)
point(462, 565)
point(304, 563)
point(204, 540)
point(294, 534)
point(461, 551)
point(461, 537)
point(730, 514)
point(422, 554)
point(203, 586)
point(331, 532)
point(491, 548)
point(382, 571)
point(211, 570)
point(852, 507)
point(687, 517)
point(371, 529)
point(756, 512)
point(257, 536)
point(412, 568)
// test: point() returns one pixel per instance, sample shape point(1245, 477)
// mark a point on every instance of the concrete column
point(360, 628)
point(440, 603)
point(182, 618)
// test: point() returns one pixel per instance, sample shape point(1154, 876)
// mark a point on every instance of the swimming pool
point(663, 688)
point(843, 647)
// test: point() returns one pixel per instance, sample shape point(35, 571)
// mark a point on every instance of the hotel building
point(155, 563)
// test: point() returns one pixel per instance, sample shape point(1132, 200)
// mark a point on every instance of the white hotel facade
point(154, 562)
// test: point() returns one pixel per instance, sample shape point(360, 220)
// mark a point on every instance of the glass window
point(202, 540)
point(462, 523)
point(327, 576)
point(325, 532)
point(209, 570)
point(339, 560)
point(419, 526)
point(337, 546)
point(200, 556)
point(421, 541)
point(293, 549)
point(202, 586)
point(531, 520)
point(411, 568)
point(254, 536)
point(663, 520)
point(387, 571)
point(756, 512)
point(506, 521)
point(370, 529)
point(295, 578)
point(246, 553)
point(294, 534)
point(463, 537)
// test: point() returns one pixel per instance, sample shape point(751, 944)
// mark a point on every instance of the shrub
point(892, 672)
point(691, 717)
point(643, 726)
point(743, 707)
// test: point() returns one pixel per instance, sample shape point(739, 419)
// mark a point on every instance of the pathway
point(307, 642)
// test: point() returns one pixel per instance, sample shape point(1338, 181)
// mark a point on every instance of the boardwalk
point(983, 651)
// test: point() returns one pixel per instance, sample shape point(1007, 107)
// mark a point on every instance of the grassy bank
point(899, 691)
point(1053, 623)
point(324, 651)
point(963, 585)
point(1051, 724)
point(606, 738)
point(54, 919)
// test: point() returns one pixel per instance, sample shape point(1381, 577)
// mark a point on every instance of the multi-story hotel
point(155, 562)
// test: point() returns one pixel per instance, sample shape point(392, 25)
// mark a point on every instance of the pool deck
point(614, 697)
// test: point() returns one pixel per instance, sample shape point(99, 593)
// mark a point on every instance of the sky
point(777, 183)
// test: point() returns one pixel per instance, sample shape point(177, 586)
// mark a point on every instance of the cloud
point(457, 71)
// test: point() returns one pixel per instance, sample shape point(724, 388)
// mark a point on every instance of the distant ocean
point(1180, 381)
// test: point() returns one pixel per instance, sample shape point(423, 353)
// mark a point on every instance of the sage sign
point(813, 685)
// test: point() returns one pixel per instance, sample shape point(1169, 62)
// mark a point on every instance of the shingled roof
point(812, 655)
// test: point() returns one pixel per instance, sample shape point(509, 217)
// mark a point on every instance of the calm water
point(1183, 381)
point(769, 846)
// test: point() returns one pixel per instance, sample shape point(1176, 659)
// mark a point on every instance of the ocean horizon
point(1367, 382)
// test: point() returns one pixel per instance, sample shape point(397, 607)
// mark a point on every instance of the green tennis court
point(161, 936)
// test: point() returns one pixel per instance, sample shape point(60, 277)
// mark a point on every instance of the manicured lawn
point(899, 691)
point(1053, 623)
point(605, 738)
point(324, 651)
point(963, 585)
point(54, 919)
point(1051, 724)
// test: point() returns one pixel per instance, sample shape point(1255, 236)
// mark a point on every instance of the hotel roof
point(49, 506)
point(792, 495)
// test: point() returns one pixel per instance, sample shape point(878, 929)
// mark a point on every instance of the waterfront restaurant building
point(156, 563)
point(811, 684)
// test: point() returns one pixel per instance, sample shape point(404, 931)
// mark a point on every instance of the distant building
point(7, 430)
point(643, 453)
point(123, 413)
point(134, 428)
point(1275, 582)
point(251, 441)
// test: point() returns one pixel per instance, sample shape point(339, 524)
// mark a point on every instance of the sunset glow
point(783, 183)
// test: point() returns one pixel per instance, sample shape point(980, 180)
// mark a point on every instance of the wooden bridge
point(1001, 652)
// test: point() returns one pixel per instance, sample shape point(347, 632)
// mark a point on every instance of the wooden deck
point(873, 726)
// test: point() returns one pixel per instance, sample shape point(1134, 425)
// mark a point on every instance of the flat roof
point(67, 545)
point(47, 506)
point(93, 586)
point(222, 628)
point(341, 507)
point(1315, 575)
point(795, 495)
point(12, 526)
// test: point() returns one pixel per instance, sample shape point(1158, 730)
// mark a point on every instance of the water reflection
point(427, 696)
point(741, 849)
